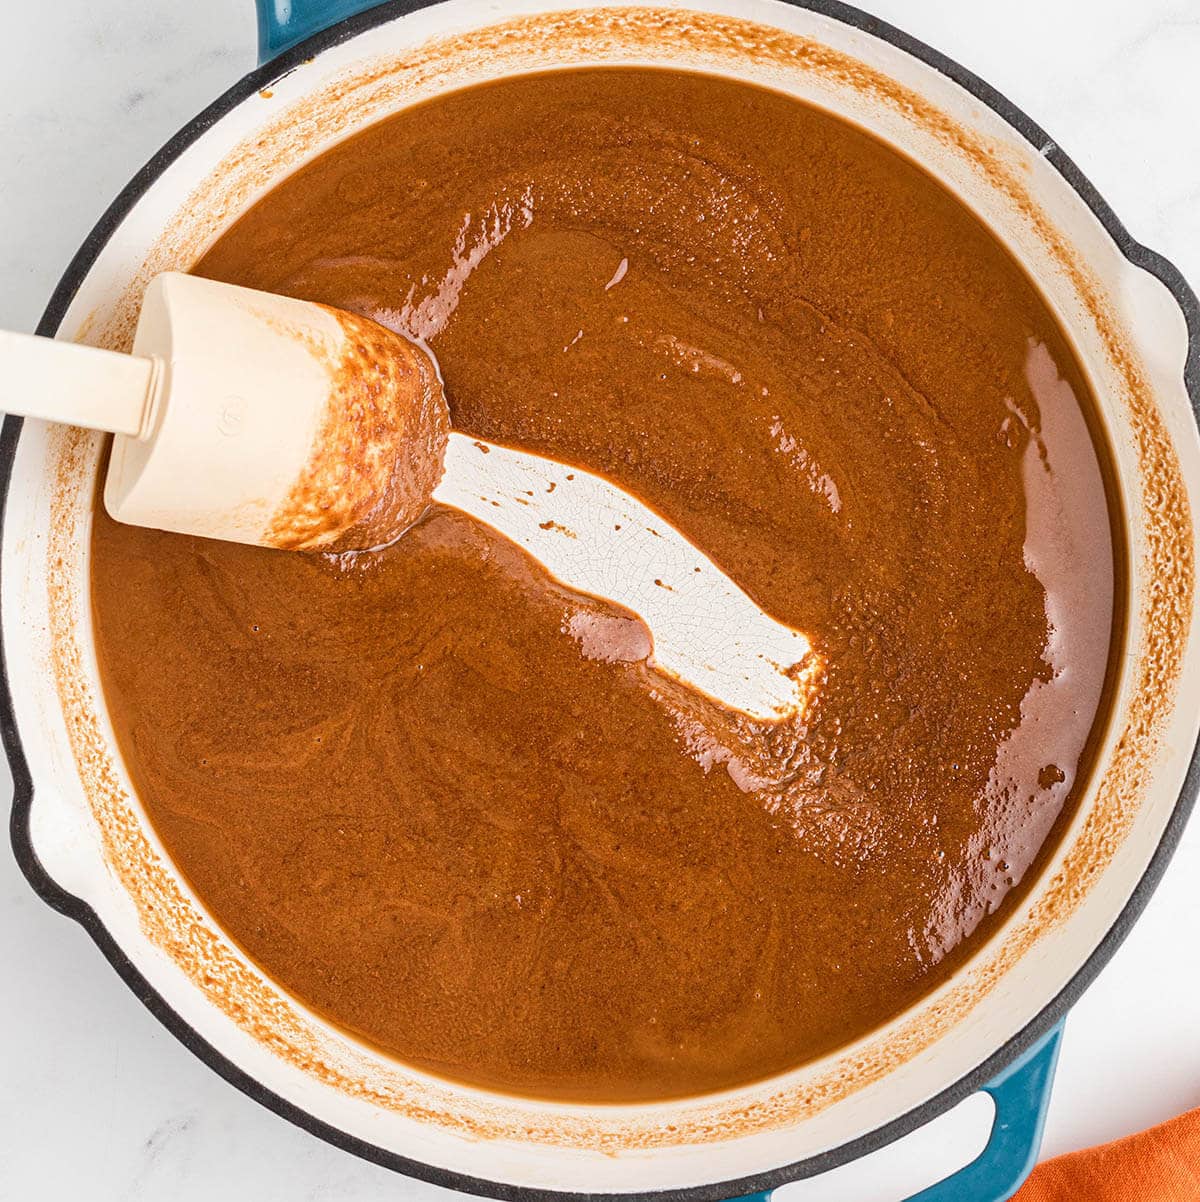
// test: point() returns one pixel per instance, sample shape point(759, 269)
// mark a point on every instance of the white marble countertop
point(97, 1101)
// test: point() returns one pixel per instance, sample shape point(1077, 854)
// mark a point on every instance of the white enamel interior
point(63, 830)
point(596, 538)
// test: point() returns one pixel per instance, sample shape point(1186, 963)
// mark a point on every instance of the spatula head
point(278, 422)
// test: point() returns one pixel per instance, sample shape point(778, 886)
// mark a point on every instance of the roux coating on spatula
point(377, 454)
point(444, 801)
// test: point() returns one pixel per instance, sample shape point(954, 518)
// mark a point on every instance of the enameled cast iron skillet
point(329, 68)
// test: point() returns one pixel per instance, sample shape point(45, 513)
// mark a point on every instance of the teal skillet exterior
point(1021, 1092)
point(284, 23)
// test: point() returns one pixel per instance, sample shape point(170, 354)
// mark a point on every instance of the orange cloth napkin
point(1159, 1165)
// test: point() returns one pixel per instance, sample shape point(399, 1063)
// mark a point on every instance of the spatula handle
point(77, 385)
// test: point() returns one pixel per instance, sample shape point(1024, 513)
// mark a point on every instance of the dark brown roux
point(444, 801)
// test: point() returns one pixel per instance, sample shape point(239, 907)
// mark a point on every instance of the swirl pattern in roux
point(441, 799)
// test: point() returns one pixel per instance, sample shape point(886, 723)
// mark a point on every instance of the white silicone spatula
point(256, 418)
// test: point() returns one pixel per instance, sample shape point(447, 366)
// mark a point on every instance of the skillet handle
point(283, 23)
point(1022, 1095)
